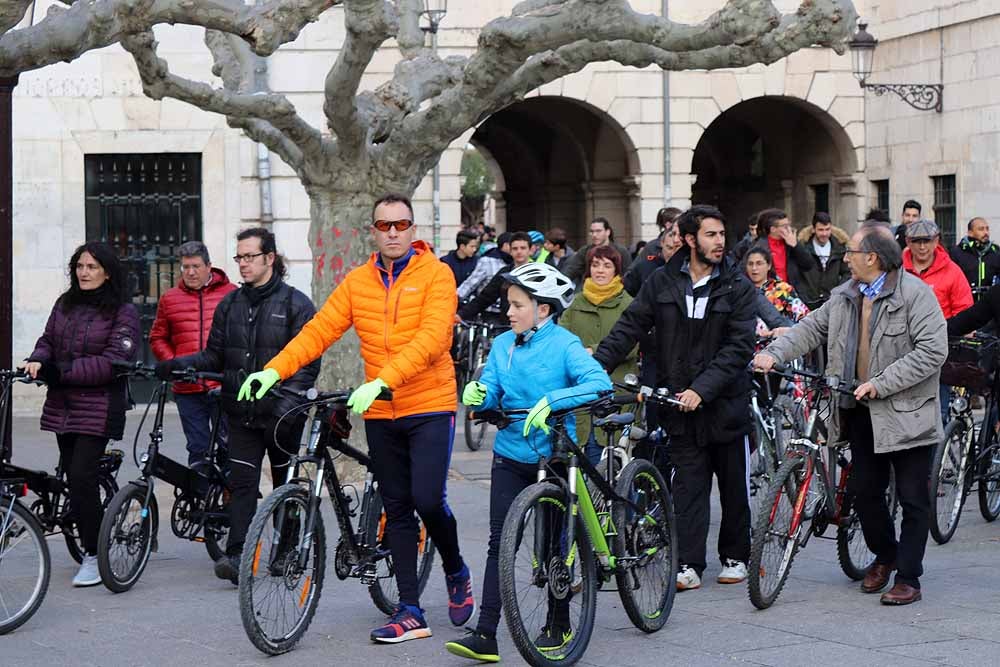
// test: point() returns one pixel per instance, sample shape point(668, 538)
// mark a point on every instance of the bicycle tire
point(522, 514)
point(778, 517)
point(281, 564)
point(107, 487)
point(953, 451)
point(215, 533)
point(989, 484)
point(122, 533)
point(853, 554)
point(384, 592)
point(635, 535)
point(475, 434)
point(36, 576)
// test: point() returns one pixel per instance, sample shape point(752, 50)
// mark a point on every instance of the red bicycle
point(804, 501)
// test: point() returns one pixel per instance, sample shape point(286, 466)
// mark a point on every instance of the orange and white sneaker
point(688, 578)
point(733, 572)
point(406, 624)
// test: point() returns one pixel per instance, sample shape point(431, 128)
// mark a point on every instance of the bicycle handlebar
point(314, 395)
point(139, 369)
point(831, 382)
point(646, 394)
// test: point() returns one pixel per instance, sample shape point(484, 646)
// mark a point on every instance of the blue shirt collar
point(874, 288)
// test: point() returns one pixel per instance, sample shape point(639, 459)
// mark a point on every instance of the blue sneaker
point(461, 604)
point(406, 624)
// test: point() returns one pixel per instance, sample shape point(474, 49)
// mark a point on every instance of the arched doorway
point(563, 163)
point(777, 152)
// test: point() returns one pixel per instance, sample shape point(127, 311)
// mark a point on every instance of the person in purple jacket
point(91, 325)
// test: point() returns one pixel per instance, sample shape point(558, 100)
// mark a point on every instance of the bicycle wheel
point(950, 479)
point(107, 488)
point(216, 530)
point(475, 434)
point(773, 547)
point(126, 538)
point(548, 587)
point(645, 546)
point(852, 551)
point(385, 592)
point(24, 565)
point(278, 593)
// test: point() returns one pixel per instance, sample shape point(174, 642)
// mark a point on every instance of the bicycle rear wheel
point(645, 546)
point(385, 592)
point(950, 479)
point(216, 530)
point(774, 547)
point(475, 434)
point(126, 538)
point(24, 565)
point(278, 596)
point(548, 587)
point(107, 487)
point(852, 551)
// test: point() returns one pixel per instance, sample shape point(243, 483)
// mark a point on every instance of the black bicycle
point(474, 342)
point(283, 567)
point(51, 506)
point(129, 531)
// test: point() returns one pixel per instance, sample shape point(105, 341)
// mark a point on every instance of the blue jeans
point(197, 412)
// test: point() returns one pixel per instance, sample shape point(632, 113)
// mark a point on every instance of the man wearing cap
point(925, 258)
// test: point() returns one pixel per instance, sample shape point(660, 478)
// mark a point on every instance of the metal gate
point(145, 205)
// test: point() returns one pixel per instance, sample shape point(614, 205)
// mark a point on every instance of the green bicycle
point(557, 548)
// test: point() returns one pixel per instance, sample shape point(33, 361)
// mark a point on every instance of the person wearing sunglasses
point(401, 303)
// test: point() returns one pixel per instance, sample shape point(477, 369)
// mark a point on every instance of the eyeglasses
point(247, 258)
point(400, 225)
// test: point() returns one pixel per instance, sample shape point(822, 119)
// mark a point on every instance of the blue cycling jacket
point(554, 364)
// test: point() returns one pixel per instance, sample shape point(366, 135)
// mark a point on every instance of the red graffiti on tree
point(319, 265)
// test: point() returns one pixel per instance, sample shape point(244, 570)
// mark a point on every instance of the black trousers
point(410, 459)
point(692, 488)
point(79, 456)
point(247, 447)
point(867, 485)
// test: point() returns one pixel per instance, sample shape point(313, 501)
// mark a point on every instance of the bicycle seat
point(615, 421)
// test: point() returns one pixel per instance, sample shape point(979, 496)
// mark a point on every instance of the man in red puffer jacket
point(183, 320)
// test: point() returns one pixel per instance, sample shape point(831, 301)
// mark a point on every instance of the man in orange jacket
point(402, 304)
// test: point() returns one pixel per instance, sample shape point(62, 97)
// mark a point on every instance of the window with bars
point(945, 213)
point(881, 194)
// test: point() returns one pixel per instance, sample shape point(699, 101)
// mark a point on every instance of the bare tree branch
point(369, 23)
point(409, 36)
point(11, 13)
point(71, 32)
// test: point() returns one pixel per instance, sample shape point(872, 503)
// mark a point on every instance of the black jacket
point(797, 260)
point(980, 264)
point(462, 268)
point(709, 356)
point(818, 282)
point(494, 290)
point(250, 326)
point(648, 260)
point(984, 313)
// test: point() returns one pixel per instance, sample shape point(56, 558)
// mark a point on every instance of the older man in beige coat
point(884, 330)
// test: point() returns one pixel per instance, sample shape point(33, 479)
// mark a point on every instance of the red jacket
point(183, 320)
point(950, 285)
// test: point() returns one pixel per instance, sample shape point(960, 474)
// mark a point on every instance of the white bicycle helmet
point(544, 283)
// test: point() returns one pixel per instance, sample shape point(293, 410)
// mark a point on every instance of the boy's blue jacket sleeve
point(586, 378)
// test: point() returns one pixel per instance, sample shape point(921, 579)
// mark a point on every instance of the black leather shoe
point(228, 567)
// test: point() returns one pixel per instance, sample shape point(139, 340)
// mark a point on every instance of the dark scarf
point(257, 294)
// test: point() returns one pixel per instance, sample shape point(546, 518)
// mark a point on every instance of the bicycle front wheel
point(548, 587)
point(645, 546)
point(385, 592)
point(107, 487)
point(126, 538)
point(216, 529)
point(774, 543)
point(24, 565)
point(950, 480)
point(281, 574)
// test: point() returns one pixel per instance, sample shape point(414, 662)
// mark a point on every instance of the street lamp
point(923, 96)
point(434, 11)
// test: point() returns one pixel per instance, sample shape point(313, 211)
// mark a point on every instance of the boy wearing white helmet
point(537, 365)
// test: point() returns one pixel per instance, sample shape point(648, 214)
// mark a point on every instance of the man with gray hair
point(183, 320)
point(884, 330)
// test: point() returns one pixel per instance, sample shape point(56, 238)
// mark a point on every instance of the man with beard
point(702, 306)
point(977, 257)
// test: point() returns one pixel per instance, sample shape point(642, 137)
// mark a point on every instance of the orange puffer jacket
point(405, 333)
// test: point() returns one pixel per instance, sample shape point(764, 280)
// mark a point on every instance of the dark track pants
point(80, 455)
point(867, 485)
point(410, 459)
point(692, 489)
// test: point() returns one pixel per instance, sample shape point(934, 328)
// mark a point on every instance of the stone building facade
point(618, 142)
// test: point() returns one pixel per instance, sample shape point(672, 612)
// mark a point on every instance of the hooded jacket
point(183, 323)
point(404, 320)
point(980, 262)
point(649, 260)
point(462, 268)
point(818, 281)
point(950, 287)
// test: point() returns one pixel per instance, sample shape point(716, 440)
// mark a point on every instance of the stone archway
point(564, 162)
point(780, 152)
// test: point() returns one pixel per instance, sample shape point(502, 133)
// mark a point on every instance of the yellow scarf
point(597, 295)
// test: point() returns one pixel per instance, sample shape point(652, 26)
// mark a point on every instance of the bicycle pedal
point(368, 575)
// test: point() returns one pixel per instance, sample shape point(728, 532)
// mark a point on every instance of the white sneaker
point(89, 574)
point(733, 572)
point(687, 579)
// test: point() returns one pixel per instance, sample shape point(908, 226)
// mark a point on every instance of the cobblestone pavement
point(180, 614)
